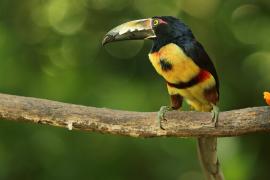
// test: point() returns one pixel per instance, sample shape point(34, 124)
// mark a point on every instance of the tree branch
point(136, 124)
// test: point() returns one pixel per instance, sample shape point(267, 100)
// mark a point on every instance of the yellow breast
point(183, 68)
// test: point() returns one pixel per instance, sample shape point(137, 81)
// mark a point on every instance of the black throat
point(159, 43)
point(181, 41)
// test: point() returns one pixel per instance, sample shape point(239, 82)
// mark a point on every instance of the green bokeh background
point(52, 49)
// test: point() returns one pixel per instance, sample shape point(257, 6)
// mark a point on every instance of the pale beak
point(133, 30)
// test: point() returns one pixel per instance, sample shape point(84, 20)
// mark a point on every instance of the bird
point(188, 72)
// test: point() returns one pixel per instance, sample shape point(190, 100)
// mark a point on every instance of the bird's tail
point(207, 150)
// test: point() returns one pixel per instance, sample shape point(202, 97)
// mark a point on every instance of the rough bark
point(136, 124)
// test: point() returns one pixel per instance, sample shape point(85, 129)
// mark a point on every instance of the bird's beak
point(137, 29)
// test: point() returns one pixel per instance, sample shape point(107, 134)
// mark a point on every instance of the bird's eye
point(155, 22)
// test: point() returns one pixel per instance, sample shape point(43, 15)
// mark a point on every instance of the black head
point(168, 27)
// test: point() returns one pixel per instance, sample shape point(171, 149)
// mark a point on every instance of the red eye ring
point(158, 21)
point(162, 22)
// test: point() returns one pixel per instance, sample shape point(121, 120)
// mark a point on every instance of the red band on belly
point(203, 75)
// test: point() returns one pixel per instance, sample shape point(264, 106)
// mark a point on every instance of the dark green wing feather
point(196, 52)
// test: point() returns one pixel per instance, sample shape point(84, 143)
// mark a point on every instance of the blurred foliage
point(52, 49)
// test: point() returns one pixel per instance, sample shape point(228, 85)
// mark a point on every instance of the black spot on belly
point(165, 65)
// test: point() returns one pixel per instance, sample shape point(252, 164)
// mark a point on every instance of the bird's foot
point(161, 115)
point(215, 114)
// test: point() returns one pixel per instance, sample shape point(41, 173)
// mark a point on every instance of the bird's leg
point(176, 103)
point(215, 114)
point(161, 115)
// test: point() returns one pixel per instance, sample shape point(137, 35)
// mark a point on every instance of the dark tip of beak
point(107, 39)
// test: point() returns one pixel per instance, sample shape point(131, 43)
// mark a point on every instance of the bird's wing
point(196, 52)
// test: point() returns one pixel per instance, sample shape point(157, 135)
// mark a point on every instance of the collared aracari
point(187, 69)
